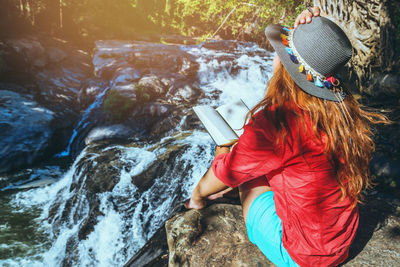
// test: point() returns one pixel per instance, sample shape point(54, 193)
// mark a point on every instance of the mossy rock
point(118, 106)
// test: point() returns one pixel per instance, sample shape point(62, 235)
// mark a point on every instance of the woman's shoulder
point(260, 126)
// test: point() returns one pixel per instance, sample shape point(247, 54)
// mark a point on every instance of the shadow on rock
point(378, 235)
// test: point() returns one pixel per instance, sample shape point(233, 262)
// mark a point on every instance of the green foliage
point(118, 106)
point(239, 20)
point(95, 19)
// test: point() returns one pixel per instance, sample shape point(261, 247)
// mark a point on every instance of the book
point(225, 123)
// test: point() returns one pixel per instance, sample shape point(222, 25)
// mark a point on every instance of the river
point(61, 216)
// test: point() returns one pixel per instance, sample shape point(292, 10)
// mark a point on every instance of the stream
point(101, 209)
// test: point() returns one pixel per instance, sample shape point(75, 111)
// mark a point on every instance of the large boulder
point(25, 130)
point(216, 236)
point(26, 52)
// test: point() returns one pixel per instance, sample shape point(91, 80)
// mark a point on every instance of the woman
point(302, 161)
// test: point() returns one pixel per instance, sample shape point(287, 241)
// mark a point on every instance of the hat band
point(319, 79)
point(306, 66)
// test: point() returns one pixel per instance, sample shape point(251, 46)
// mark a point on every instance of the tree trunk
point(61, 13)
point(368, 25)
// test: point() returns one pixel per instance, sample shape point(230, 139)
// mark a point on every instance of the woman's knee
point(248, 194)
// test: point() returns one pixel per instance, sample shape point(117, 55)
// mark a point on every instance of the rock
point(26, 52)
point(25, 130)
point(147, 58)
point(158, 119)
point(214, 236)
point(126, 75)
point(51, 68)
point(390, 84)
point(181, 91)
point(3, 65)
point(154, 253)
point(55, 54)
point(381, 165)
point(110, 55)
point(59, 86)
point(377, 242)
point(14, 87)
point(154, 85)
point(89, 90)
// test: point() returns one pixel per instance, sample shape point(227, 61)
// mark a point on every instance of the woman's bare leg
point(208, 185)
point(248, 194)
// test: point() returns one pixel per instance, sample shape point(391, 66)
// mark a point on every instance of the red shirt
point(317, 227)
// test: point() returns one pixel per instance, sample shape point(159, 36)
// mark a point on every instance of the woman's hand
point(306, 16)
point(221, 150)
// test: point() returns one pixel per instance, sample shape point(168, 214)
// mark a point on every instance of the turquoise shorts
point(264, 229)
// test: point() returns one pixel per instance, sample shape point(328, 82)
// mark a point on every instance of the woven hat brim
point(273, 34)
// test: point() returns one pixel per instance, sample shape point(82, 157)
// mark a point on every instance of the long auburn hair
point(345, 125)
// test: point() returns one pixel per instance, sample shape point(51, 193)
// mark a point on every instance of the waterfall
point(83, 123)
point(128, 215)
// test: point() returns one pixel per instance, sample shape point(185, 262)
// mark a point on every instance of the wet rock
point(89, 90)
point(157, 119)
point(51, 68)
point(59, 86)
point(25, 130)
point(3, 65)
point(154, 253)
point(14, 87)
point(30, 178)
point(182, 92)
point(110, 55)
point(154, 85)
point(126, 75)
point(214, 236)
point(147, 58)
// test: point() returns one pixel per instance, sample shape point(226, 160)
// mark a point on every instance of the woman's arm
point(208, 185)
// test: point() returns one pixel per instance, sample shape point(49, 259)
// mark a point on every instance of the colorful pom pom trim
point(319, 80)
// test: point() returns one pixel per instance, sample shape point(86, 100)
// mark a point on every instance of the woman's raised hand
point(306, 16)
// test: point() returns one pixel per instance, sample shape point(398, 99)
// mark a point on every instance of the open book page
point(234, 114)
point(216, 126)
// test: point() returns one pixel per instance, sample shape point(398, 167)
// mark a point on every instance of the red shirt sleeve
point(254, 155)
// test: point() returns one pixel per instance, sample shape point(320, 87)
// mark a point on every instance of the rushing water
point(127, 216)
